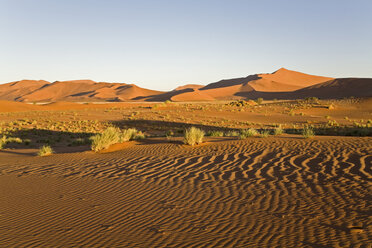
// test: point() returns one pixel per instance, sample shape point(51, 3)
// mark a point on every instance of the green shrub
point(113, 135)
point(193, 136)
point(308, 133)
point(103, 140)
point(45, 151)
point(128, 134)
point(278, 131)
point(264, 133)
point(14, 140)
point(215, 133)
point(259, 100)
point(251, 132)
point(232, 134)
point(3, 141)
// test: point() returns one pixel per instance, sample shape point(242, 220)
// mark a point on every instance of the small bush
point(108, 137)
point(308, 133)
point(113, 135)
point(193, 136)
point(259, 100)
point(232, 134)
point(215, 133)
point(128, 134)
point(3, 141)
point(45, 151)
point(14, 140)
point(278, 131)
point(264, 133)
point(251, 132)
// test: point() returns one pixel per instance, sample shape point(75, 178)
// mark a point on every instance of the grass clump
point(113, 135)
point(216, 133)
point(308, 133)
point(3, 141)
point(264, 133)
point(232, 134)
point(193, 136)
point(130, 134)
point(45, 150)
point(278, 131)
point(259, 100)
point(103, 140)
point(251, 132)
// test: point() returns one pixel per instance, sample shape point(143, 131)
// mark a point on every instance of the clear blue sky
point(161, 44)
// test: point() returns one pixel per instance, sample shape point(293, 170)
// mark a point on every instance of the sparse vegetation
point(278, 130)
point(251, 132)
point(308, 132)
point(216, 133)
point(113, 135)
point(102, 141)
point(193, 136)
point(232, 134)
point(3, 141)
point(259, 100)
point(45, 150)
point(264, 133)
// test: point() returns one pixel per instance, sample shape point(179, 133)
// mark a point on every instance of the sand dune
point(274, 192)
point(15, 90)
point(86, 90)
point(293, 78)
point(338, 88)
point(282, 80)
point(281, 84)
point(189, 86)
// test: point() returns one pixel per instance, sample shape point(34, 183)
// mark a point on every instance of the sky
point(161, 44)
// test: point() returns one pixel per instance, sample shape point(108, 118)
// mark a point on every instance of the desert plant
point(264, 133)
point(14, 140)
point(251, 132)
point(128, 134)
point(103, 140)
point(278, 131)
point(45, 150)
point(232, 134)
point(215, 133)
point(193, 136)
point(308, 132)
point(3, 141)
point(259, 100)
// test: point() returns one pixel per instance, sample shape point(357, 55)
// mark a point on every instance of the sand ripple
point(274, 192)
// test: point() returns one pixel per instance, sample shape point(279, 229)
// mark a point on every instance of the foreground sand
point(273, 192)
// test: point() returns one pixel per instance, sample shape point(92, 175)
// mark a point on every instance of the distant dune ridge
point(281, 84)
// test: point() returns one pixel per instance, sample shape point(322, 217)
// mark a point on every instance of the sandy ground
point(282, 191)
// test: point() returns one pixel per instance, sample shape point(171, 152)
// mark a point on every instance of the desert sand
point(274, 192)
point(278, 191)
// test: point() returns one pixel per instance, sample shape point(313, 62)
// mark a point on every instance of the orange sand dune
point(189, 86)
point(293, 78)
point(282, 80)
point(15, 90)
point(195, 95)
point(86, 90)
point(338, 88)
point(281, 84)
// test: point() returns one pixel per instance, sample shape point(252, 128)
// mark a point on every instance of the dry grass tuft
point(45, 151)
point(193, 136)
point(251, 132)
